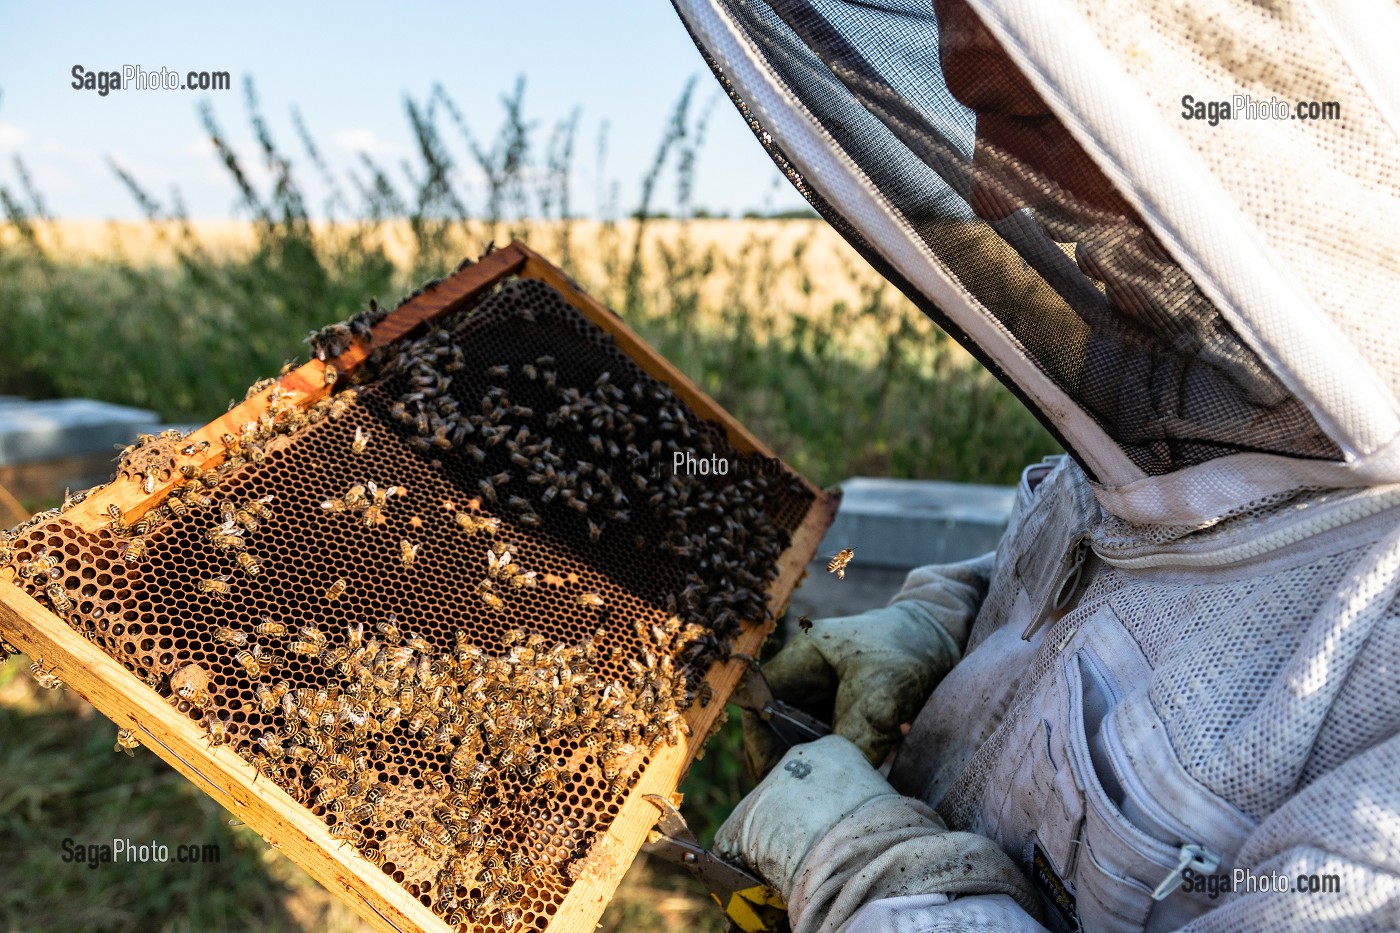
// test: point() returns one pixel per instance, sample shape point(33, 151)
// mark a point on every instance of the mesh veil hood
point(1203, 314)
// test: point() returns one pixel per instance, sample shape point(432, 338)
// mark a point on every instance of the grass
point(776, 319)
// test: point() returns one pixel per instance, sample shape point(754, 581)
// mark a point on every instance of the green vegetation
point(836, 387)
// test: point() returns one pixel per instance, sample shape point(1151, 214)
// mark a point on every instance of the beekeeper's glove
point(872, 672)
point(814, 786)
point(831, 835)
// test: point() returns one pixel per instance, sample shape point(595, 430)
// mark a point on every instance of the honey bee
point(195, 696)
point(268, 628)
point(335, 590)
point(225, 635)
point(496, 565)
point(389, 628)
point(354, 499)
point(361, 442)
point(837, 564)
point(408, 553)
point(804, 623)
point(260, 507)
point(219, 728)
point(331, 375)
point(227, 537)
point(117, 525)
point(246, 520)
point(44, 675)
point(215, 587)
point(189, 450)
point(525, 581)
point(126, 742)
point(589, 600)
point(309, 641)
point(484, 590)
point(248, 563)
point(363, 813)
point(255, 662)
point(428, 844)
point(58, 595)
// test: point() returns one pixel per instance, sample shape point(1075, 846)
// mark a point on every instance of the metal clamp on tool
point(790, 724)
point(748, 903)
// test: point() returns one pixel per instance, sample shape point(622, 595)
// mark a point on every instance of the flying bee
point(133, 549)
point(804, 623)
point(335, 590)
point(408, 553)
point(58, 595)
point(248, 563)
point(44, 675)
point(589, 600)
point(361, 442)
point(230, 636)
point(215, 587)
point(837, 564)
point(126, 742)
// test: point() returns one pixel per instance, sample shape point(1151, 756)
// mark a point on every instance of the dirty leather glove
point(813, 788)
point(875, 670)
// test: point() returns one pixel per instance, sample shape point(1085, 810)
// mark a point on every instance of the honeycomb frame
point(287, 823)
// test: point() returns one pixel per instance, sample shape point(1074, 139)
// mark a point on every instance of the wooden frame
point(284, 822)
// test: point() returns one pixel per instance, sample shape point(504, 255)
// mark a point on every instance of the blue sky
point(348, 68)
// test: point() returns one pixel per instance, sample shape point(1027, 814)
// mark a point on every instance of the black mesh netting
point(1017, 212)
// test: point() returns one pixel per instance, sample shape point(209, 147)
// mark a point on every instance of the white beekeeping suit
point(1171, 228)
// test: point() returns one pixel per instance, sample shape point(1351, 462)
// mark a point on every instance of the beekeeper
point(1171, 698)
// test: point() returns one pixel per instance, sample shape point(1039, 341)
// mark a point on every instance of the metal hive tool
point(441, 592)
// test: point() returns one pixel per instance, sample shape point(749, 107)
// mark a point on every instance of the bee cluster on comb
point(452, 609)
